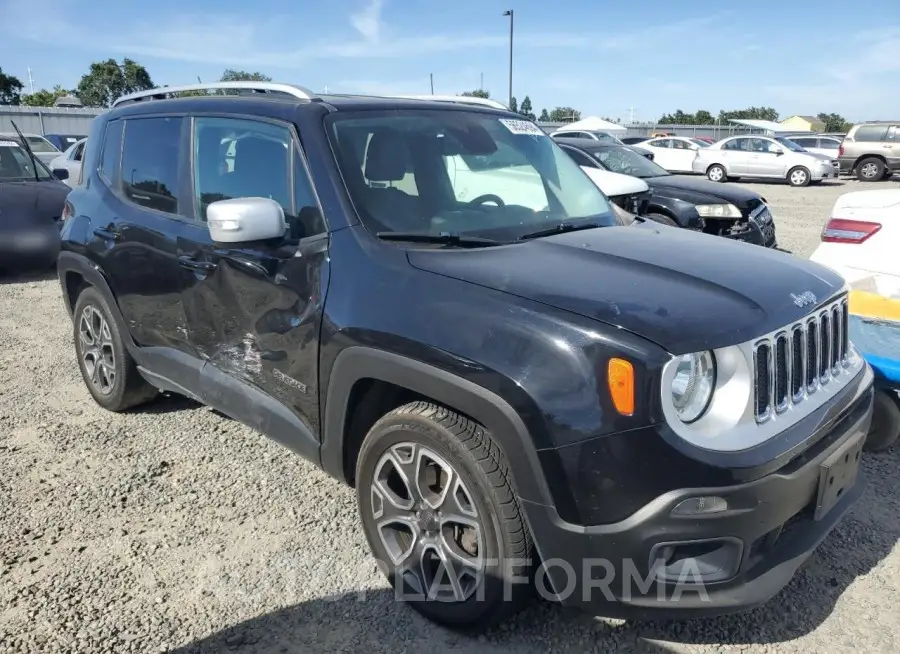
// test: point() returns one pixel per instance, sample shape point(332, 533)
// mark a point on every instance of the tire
point(115, 384)
point(662, 219)
point(446, 441)
point(717, 173)
point(798, 176)
point(870, 169)
point(885, 427)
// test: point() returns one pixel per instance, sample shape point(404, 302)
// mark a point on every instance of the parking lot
point(172, 528)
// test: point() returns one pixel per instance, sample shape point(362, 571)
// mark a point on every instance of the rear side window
point(112, 148)
point(869, 133)
point(150, 162)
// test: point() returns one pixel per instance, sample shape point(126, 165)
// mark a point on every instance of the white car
point(41, 147)
point(827, 145)
point(70, 160)
point(595, 135)
point(675, 153)
point(860, 242)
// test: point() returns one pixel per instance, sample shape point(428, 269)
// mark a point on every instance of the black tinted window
point(871, 133)
point(580, 158)
point(112, 148)
point(736, 144)
point(150, 162)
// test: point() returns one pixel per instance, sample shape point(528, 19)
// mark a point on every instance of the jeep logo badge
point(804, 299)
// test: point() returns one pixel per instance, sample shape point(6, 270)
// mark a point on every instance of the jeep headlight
point(725, 210)
point(693, 385)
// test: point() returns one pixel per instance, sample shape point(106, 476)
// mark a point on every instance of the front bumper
point(747, 553)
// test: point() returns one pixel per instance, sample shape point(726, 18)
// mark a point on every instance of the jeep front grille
point(792, 364)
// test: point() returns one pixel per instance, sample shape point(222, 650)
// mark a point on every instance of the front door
point(254, 309)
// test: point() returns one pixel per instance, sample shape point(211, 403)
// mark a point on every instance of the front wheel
point(717, 173)
point(798, 176)
point(885, 427)
point(441, 516)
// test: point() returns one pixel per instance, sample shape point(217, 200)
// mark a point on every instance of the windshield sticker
point(522, 127)
point(9, 144)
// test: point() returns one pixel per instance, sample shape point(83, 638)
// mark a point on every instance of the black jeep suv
point(639, 420)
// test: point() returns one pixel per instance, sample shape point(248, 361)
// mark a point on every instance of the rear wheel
point(885, 427)
point(109, 372)
point(716, 173)
point(870, 169)
point(798, 176)
point(442, 518)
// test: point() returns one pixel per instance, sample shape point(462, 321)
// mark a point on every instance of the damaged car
point(682, 200)
point(520, 391)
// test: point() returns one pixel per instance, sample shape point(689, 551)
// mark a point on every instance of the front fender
point(684, 213)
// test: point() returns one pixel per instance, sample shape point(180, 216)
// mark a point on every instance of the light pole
point(509, 12)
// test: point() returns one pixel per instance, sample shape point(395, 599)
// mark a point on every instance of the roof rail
point(293, 90)
point(462, 99)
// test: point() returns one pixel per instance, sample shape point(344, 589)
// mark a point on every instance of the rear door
point(734, 154)
point(135, 240)
point(892, 147)
point(683, 154)
point(662, 152)
point(254, 309)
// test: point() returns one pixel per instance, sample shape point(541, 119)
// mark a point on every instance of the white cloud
point(368, 21)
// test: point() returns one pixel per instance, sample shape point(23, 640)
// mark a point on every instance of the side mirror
point(62, 174)
point(245, 219)
point(777, 151)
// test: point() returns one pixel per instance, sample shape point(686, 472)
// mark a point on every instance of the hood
point(701, 191)
point(851, 203)
point(30, 202)
point(613, 184)
point(683, 290)
point(817, 156)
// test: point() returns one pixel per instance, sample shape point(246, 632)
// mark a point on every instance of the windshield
point(628, 162)
point(15, 164)
point(789, 144)
point(461, 172)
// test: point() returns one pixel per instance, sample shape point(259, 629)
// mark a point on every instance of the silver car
point(764, 157)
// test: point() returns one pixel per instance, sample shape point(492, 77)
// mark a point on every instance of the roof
point(767, 125)
point(593, 124)
point(809, 119)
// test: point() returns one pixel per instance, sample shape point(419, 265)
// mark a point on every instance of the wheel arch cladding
point(422, 380)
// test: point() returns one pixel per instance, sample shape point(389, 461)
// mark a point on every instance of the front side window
point(472, 173)
point(78, 152)
point(238, 158)
point(16, 165)
point(150, 162)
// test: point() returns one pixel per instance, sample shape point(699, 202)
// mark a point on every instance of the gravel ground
point(173, 529)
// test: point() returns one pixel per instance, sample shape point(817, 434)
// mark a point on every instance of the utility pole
point(631, 114)
point(431, 77)
point(509, 12)
point(481, 83)
point(30, 80)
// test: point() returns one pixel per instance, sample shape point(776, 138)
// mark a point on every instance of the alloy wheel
point(869, 170)
point(428, 523)
point(97, 354)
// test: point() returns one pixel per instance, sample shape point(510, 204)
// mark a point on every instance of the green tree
point(231, 75)
point(834, 122)
point(751, 113)
point(526, 109)
point(564, 115)
point(544, 117)
point(44, 98)
point(477, 93)
point(514, 105)
point(10, 89)
point(108, 80)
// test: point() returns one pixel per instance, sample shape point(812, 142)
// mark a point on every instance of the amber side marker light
point(620, 376)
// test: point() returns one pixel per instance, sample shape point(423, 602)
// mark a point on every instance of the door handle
point(192, 264)
point(108, 233)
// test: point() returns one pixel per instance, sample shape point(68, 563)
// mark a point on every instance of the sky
point(613, 58)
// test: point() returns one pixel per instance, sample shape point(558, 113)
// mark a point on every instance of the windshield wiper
point(27, 149)
point(444, 237)
point(559, 229)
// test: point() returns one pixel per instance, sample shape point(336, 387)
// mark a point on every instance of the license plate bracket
point(837, 474)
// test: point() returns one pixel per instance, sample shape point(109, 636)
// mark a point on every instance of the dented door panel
point(256, 317)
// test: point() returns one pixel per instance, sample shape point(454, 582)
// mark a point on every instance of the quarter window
point(112, 149)
point(235, 158)
point(150, 162)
